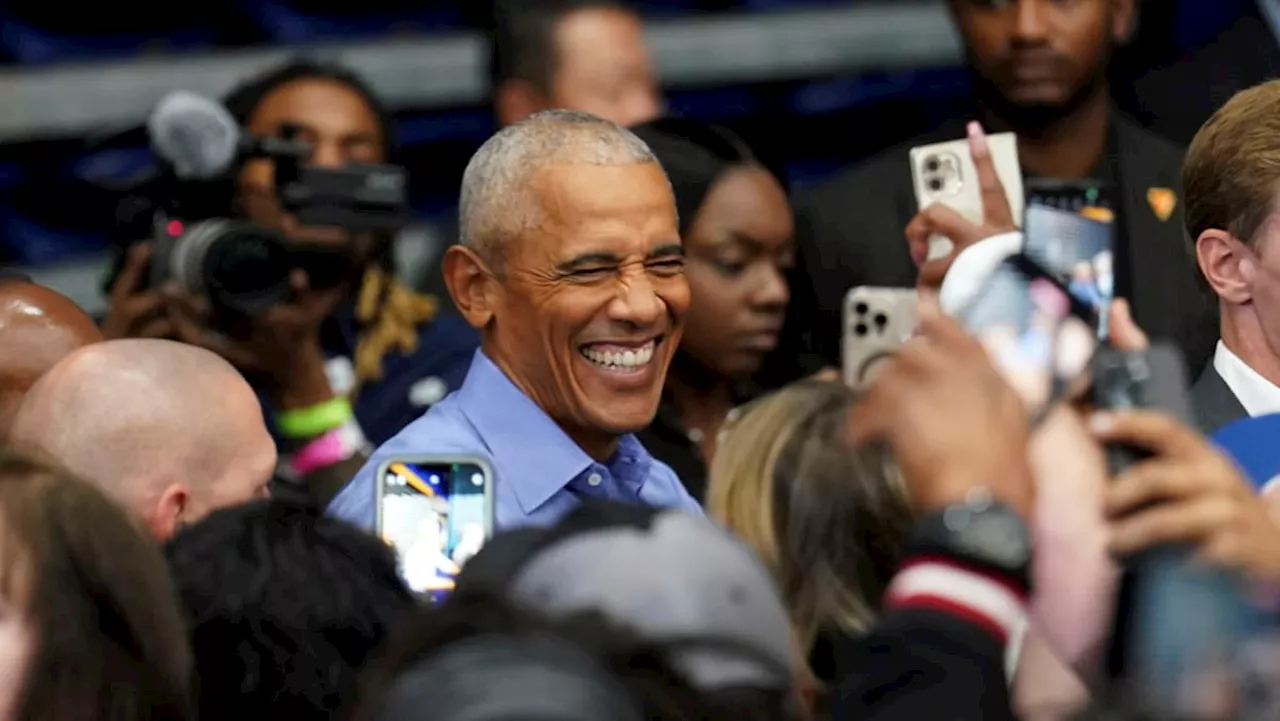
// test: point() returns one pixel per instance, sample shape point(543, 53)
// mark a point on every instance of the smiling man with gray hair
point(571, 267)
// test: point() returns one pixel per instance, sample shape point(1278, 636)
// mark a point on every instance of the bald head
point(38, 328)
point(170, 430)
point(497, 202)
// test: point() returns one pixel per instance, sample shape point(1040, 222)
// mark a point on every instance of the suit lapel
point(1214, 403)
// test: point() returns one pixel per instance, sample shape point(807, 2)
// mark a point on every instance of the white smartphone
point(877, 321)
point(436, 512)
point(944, 173)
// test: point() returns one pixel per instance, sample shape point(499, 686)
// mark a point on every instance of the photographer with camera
point(342, 353)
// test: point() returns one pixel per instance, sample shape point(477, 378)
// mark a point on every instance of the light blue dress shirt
point(540, 474)
point(1271, 9)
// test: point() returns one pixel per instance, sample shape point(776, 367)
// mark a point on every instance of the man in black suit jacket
point(1231, 175)
point(1175, 100)
point(1039, 70)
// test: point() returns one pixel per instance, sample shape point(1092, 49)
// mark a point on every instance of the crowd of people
point(636, 339)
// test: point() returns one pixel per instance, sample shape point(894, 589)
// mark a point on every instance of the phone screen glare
point(436, 518)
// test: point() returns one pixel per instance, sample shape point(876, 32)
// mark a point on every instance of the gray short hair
point(495, 205)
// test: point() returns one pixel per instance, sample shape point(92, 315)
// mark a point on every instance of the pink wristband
point(328, 450)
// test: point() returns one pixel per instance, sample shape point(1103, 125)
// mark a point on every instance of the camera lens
point(861, 308)
point(238, 266)
point(931, 165)
point(881, 320)
point(935, 184)
point(860, 329)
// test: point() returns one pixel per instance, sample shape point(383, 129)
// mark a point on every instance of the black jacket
point(851, 232)
point(1177, 99)
point(918, 664)
point(1215, 405)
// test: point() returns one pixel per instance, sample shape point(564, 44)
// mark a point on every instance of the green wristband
point(315, 420)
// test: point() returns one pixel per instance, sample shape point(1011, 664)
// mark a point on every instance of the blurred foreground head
point(285, 606)
point(451, 659)
point(89, 628)
point(828, 520)
point(168, 430)
point(38, 328)
point(678, 581)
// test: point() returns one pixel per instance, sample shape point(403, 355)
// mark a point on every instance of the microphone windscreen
point(197, 136)
point(1254, 445)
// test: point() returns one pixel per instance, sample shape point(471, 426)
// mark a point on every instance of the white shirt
point(1271, 11)
point(1256, 394)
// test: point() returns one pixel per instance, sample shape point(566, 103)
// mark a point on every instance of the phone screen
point(436, 516)
point(1033, 330)
point(1069, 230)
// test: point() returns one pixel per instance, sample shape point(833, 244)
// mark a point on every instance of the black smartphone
point(1035, 331)
point(436, 512)
point(1178, 624)
point(1068, 228)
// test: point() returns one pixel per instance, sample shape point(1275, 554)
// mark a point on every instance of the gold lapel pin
point(1163, 202)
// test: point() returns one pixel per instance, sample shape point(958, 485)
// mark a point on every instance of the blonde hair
point(827, 520)
point(389, 314)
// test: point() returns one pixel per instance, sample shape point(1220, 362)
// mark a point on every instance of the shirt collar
point(528, 447)
point(1256, 394)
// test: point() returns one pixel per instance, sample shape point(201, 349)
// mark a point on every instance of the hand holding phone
point(1034, 330)
point(1069, 229)
point(877, 321)
point(1177, 621)
point(966, 190)
point(436, 512)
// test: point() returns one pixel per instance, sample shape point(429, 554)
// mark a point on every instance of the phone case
point(944, 173)
point(477, 461)
point(877, 321)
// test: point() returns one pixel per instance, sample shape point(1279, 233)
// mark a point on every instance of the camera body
point(242, 269)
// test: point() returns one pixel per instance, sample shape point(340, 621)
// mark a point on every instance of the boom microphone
point(200, 139)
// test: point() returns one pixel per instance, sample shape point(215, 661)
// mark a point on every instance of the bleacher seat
point(305, 21)
point(55, 31)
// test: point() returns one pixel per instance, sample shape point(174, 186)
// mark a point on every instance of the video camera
point(241, 268)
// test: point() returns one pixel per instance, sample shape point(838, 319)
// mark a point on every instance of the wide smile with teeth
point(619, 358)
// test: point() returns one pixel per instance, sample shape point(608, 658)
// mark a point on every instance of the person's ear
point(515, 100)
point(1124, 16)
point(470, 284)
point(170, 513)
point(1227, 265)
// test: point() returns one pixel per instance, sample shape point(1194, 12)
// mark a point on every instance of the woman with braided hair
point(354, 355)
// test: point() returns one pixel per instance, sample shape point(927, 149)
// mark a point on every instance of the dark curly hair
point(284, 607)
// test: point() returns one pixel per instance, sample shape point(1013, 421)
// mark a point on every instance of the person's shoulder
point(437, 366)
point(448, 331)
point(666, 476)
point(442, 429)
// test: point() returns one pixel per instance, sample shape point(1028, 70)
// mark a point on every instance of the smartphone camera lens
point(861, 309)
point(860, 329)
point(935, 184)
point(931, 165)
point(881, 320)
